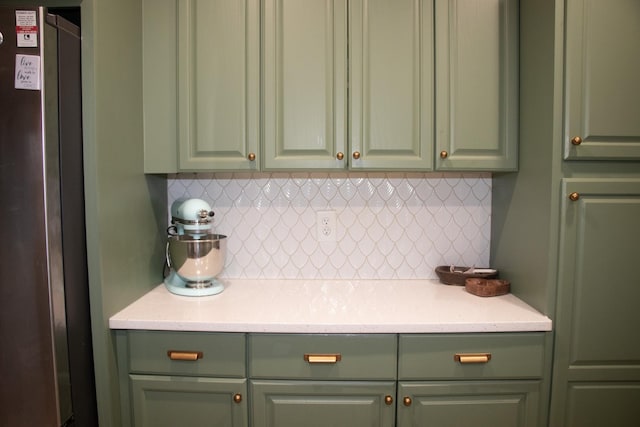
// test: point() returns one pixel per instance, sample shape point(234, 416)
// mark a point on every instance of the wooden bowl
point(456, 277)
point(487, 287)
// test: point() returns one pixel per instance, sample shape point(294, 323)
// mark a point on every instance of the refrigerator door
point(27, 361)
point(68, 123)
point(44, 307)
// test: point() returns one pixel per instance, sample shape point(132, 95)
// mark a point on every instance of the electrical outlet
point(326, 221)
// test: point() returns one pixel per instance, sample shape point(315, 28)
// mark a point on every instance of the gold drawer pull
point(472, 357)
point(322, 358)
point(185, 355)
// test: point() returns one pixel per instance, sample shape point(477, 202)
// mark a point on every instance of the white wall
point(389, 225)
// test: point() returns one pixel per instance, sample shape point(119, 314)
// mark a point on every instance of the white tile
point(389, 225)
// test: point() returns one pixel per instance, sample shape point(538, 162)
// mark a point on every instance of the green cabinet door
point(602, 88)
point(476, 84)
point(597, 352)
point(468, 403)
point(329, 85)
point(170, 401)
point(391, 93)
point(603, 404)
point(201, 94)
point(159, 85)
point(304, 84)
point(323, 403)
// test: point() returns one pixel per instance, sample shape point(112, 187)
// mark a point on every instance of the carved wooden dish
point(487, 287)
point(457, 277)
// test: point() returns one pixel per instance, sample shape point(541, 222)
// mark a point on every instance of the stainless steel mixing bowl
point(197, 260)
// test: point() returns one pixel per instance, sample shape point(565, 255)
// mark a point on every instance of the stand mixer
point(194, 255)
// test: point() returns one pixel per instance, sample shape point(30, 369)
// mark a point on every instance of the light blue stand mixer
point(194, 255)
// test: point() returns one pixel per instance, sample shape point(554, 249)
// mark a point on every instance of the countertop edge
point(541, 326)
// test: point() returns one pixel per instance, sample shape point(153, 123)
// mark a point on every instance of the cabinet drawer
point(323, 356)
point(221, 355)
point(508, 355)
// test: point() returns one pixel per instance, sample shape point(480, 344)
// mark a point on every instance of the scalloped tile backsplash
point(388, 225)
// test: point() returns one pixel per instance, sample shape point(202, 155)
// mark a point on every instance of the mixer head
point(191, 216)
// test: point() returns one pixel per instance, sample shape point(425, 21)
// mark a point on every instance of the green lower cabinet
point(178, 378)
point(322, 380)
point(171, 378)
point(603, 404)
point(458, 380)
point(322, 403)
point(596, 373)
point(185, 401)
point(468, 403)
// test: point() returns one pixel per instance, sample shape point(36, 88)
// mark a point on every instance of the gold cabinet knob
point(388, 400)
point(444, 154)
point(251, 157)
point(576, 140)
point(356, 155)
point(574, 196)
point(406, 401)
point(237, 398)
point(340, 156)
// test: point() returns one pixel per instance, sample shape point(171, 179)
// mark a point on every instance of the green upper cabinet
point(476, 84)
point(388, 122)
point(408, 82)
point(201, 62)
point(330, 84)
point(305, 83)
point(602, 88)
point(391, 93)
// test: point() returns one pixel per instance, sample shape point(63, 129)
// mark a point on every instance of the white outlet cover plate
point(326, 226)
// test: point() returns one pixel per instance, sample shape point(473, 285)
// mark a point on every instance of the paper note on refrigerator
point(26, 28)
point(27, 72)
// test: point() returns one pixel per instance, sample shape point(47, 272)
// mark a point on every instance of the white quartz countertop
point(331, 306)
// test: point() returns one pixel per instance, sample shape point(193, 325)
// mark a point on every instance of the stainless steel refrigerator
point(46, 365)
